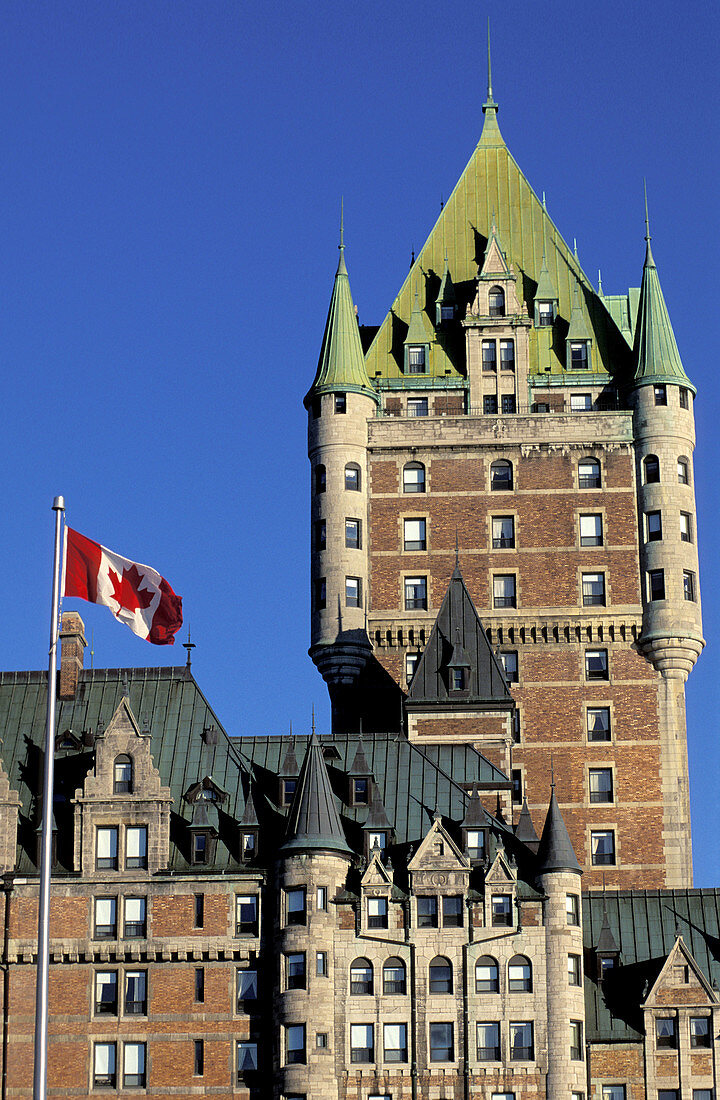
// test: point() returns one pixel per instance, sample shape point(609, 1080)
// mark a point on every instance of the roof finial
point(490, 94)
point(647, 218)
point(313, 718)
point(189, 646)
point(544, 204)
point(600, 287)
point(412, 255)
point(575, 251)
point(341, 246)
point(457, 550)
point(552, 775)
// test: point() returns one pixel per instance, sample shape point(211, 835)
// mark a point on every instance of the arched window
point(651, 469)
point(496, 301)
point(320, 478)
point(441, 975)
point(589, 474)
point(486, 975)
point(519, 974)
point(123, 775)
point(501, 476)
point(394, 979)
point(414, 477)
point(361, 976)
point(352, 477)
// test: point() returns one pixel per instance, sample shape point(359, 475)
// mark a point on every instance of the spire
point(556, 852)
point(656, 354)
point(491, 131)
point(419, 330)
point(546, 291)
point(525, 830)
point(341, 366)
point(475, 815)
point(314, 822)
point(446, 293)
point(606, 944)
point(579, 328)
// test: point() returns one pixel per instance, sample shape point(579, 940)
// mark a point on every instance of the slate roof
point(314, 821)
point(555, 852)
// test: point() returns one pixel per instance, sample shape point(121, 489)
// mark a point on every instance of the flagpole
point(43, 955)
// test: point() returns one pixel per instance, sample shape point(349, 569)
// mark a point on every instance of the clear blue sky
point(171, 181)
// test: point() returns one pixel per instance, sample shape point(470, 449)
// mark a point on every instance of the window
point(199, 985)
point(576, 1041)
point(596, 664)
point(668, 1094)
point(122, 775)
point(613, 1092)
point(361, 977)
point(689, 585)
point(545, 314)
point(362, 1043)
point(684, 396)
point(427, 912)
point(656, 584)
point(247, 1058)
point(199, 1058)
point(248, 844)
point(136, 993)
point(591, 530)
point(516, 780)
point(602, 848)
point(394, 979)
point(653, 526)
point(601, 784)
point(442, 1046)
point(353, 534)
point(685, 527)
point(509, 662)
point(488, 1042)
point(295, 970)
point(416, 594)
point(381, 1095)
point(490, 405)
point(593, 589)
point(441, 975)
point(200, 847)
point(699, 1031)
point(507, 355)
point(321, 1040)
point(135, 918)
point(572, 909)
point(295, 1044)
point(501, 476)
point(247, 986)
point(504, 590)
point(320, 482)
point(414, 534)
point(320, 594)
point(508, 403)
point(106, 858)
point(660, 393)
point(651, 469)
point(340, 403)
point(246, 915)
point(136, 837)
point(598, 723)
point(496, 301)
point(352, 477)
point(321, 898)
point(316, 408)
point(417, 406)
point(589, 474)
point(377, 839)
point(353, 592)
point(395, 1048)
point(296, 905)
point(452, 912)
point(519, 975)
point(289, 786)
point(475, 844)
point(486, 975)
point(321, 964)
point(134, 1066)
point(666, 1031)
point(105, 918)
point(377, 912)
point(683, 471)
point(489, 355)
point(574, 970)
point(413, 478)
point(580, 402)
point(319, 535)
point(501, 906)
point(503, 532)
point(522, 1047)
point(703, 1094)
point(416, 359)
point(104, 1063)
point(106, 992)
point(579, 355)
point(411, 662)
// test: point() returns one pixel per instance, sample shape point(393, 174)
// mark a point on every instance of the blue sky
point(168, 228)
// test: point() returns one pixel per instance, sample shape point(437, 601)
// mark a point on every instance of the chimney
point(72, 644)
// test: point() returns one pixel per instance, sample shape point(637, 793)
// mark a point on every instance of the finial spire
point(490, 91)
point(600, 286)
point(313, 718)
point(189, 646)
point(575, 251)
point(457, 550)
point(341, 246)
point(647, 217)
point(544, 204)
point(552, 775)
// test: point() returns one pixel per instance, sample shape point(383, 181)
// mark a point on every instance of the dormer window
point(475, 844)
point(457, 679)
point(579, 355)
point(248, 845)
point(447, 313)
point(416, 359)
point(360, 791)
point(288, 788)
point(200, 848)
point(496, 302)
point(545, 314)
point(122, 775)
point(376, 839)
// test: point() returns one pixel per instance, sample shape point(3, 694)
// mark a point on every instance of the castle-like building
point(477, 885)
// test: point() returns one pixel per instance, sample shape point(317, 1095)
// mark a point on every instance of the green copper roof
point(341, 366)
point(420, 330)
point(545, 292)
point(446, 293)
point(657, 358)
point(579, 328)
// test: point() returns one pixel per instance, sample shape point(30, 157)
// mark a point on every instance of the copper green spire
point(656, 354)
point(420, 330)
point(341, 367)
point(491, 131)
point(579, 328)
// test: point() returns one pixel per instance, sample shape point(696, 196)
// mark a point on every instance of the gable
point(680, 981)
point(438, 852)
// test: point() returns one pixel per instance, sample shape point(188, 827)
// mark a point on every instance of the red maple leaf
point(127, 590)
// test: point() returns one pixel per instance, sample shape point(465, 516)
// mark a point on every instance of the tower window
point(576, 1040)
point(352, 477)
point(353, 592)
point(296, 906)
point(416, 359)
point(319, 536)
point(653, 526)
point(295, 970)
point(651, 469)
point(689, 585)
point(683, 471)
point(684, 395)
point(602, 848)
point(417, 406)
point(340, 403)
point(414, 478)
point(685, 527)
point(572, 909)
point(501, 476)
point(353, 534)
point(507, 355)
point(591, 530)
point(579, 357)
point(320, 479)
point(320, 594)
point(447, 313)
point(656, 584)
point(660, 393)
point(593, 589)
point(589, 474)
point(496, 301)
point(504, 592)
point(294, 1045)
point(503, 532)
point(414, 534)
point(316, 408)
point(416, 594)
point(601, 784)
point(489, 355)
point(574, 970)
point(457, 679)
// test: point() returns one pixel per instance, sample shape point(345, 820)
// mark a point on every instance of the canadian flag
point(136, 594)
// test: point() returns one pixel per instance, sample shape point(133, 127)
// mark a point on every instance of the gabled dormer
point(579, 338)
point(418, 342)
point(377, 830)
point(545, 302)
point(446, 302)
point(475, 829)
point(681, 981)
point(439, 880)
point(204, 831)
point(249, 831)
point(288, 778)
point(207, 790)
point(501, 892)
point(607, 950)
point(376, 891)
point(360, 779)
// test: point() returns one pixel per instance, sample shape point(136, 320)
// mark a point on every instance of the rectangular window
point(572, 909)
point(589, 476)
point(593, 589)
point(417, 406)
point(580, 402)
point(414, 534)
point(452, 911)
point(416, 594)
point(321, 1040)
point(509, 662)
point(475, 843)
point(703, 1094)
point(683, 472)
point(591, 530)
point(106, 856)
point(666, 1032)
point(106, 992)
point(545, 314)
point(488, 1042)
point(377, 909)
point(656, 584)
point(353, 592)
point(320, 594)
point(602, 848)
point(653, 526)
point(411, 662)
point(427, 912)
point(199, 984)
point(598, 723)
point(105, 918)
point(576, 1041)
point(246, 915)
point(699, 1031)
point(321, 898)
point(199, 911)
point(247, 986)
point(578, 355)
point(508, 403)
point(501, 907)
point(134, 1066)
point(295, 1045)
point(489, 355)
point(247, 1059)
point(295, 964)
point(104, 1065)
point(320, 479)
point(135, 993)
point(613, 1092)
point(296, 905)
point(503, 532)
point(199, 1058)
point(684, 395)
point(516, 779)
point(442, 1044)
point(668, 1094)
point(319, 535)
point(507, 355)
point(321, 964)
point(340, 403)
point(353, 534)
point(135, 912)
point(574, 971)
point(596, 664)
point(689, 585)
point(504, 594)
point(416, 359)
point(362, 1043)
point(685, 527)
point(660, 395)
point(316, 408)
point(490, 405)
point(601, 784)
point(136, 846)
point(522, 1047)
point(352, 477)
point(395, 1046)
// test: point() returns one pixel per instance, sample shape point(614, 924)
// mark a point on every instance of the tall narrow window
point(685, 527)
point(135, 918)
point(395, 1046)
point(656, 584)
point(105, 918)
point(106, 992)
point(414, 534)
point(442, 1044)
point(519, 975)
point(507, 355)
point(416, 594)
point(598, 723)
point(589, 476)
point(353, 536)
point(361, 977)
point(136, 846)
point(503, 532)
point(441, 975)
point(572, 909)
point(504, 594)
point(522, 1047)
point(106, 857)
point(486, 975)
point(653, 526)
point(488, 1042)
point(574, 970)
point(296, 974)
point(295, 1045)
point(340, 403)
point(416, 359)
point(501, 907)
point(199, 1058)
point(320, 482)
point(601, 784)
point(591, 530)
point(576, 1040)
point(353, 592)
point(104, 1065)
point(593, 589)
point(651, 469)
point(247, 986)
point(136, 993)
point(394, 980)
point(377, 910)
point(122, 775)
point(496, 301)
point(319, 535)
point(296, 906)
point(579, 358)
point(414, 478)
point(489, 355)
point(362, 1043)
point(427, 911)
point(501, 476)
point(509, 662)
point(684, 397)
point(199, 984)
point(320, 594)
point(689, 585)
point(602, 848)
point(199, 910)
point(660, 394)
point(352, 477)
point(134, 1065)
point(490, 404)
point(508, 403)
point(683, 471)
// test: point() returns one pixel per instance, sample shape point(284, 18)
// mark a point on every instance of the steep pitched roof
point(656, 354)
point(525, 830)
point(556, 852)
point(314, 821)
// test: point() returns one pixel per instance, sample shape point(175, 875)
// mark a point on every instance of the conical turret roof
point(556, 852)
point(656, 354)
point(579, 328)
point(606, 944)
point(420, 331)
point(546, 291)
point(475, 812)
point(314, 822)
point(525, 830)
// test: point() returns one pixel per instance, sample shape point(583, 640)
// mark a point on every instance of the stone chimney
point(72, 645)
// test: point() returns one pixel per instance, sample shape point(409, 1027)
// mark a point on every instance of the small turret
point(313, 821)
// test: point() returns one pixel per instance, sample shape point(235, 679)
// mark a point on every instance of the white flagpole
point(41, 988)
